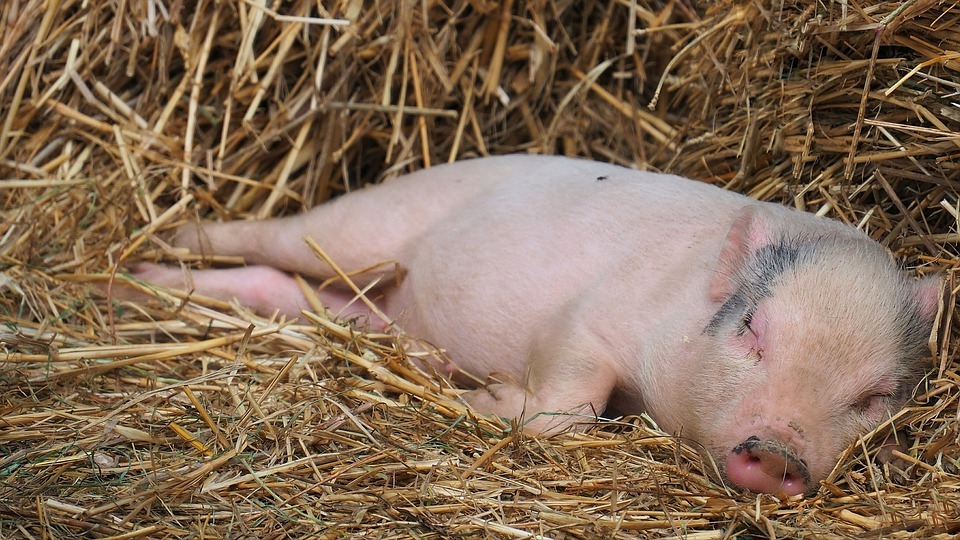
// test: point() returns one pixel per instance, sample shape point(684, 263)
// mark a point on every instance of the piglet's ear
point(750, 231)
point(929, 296)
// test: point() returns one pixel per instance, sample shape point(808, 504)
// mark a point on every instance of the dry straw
point(172, 419)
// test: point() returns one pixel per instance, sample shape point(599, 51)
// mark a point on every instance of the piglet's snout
point(766, 466)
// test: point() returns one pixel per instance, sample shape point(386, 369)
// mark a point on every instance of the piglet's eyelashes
point(745, 324)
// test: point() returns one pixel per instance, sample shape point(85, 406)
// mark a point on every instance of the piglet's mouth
point(768, 466)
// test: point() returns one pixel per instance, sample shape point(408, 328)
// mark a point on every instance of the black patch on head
point(599, 178)
point(757, 278)
point(771, 261)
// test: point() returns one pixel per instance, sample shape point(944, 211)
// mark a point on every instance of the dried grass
point(174, 419)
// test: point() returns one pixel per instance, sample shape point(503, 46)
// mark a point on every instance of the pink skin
point(572, 285)
point(275, 290)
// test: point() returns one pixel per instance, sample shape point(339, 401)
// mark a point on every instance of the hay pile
point(119, 120)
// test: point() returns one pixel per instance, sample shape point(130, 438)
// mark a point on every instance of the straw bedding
point(165, 418)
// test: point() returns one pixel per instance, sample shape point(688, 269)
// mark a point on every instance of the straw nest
point(167, 419)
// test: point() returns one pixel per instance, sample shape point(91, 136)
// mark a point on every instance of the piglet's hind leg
point(262, 288)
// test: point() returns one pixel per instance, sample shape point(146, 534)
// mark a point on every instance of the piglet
point(771, 338)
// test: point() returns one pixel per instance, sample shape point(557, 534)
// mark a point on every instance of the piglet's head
point(817, 337)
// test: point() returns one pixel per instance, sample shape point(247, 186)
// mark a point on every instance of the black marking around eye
point(757, 280)
point(732, 308)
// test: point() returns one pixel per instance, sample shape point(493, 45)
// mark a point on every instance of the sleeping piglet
point(770, 337)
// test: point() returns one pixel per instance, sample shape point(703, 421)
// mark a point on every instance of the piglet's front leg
point(562, 388)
